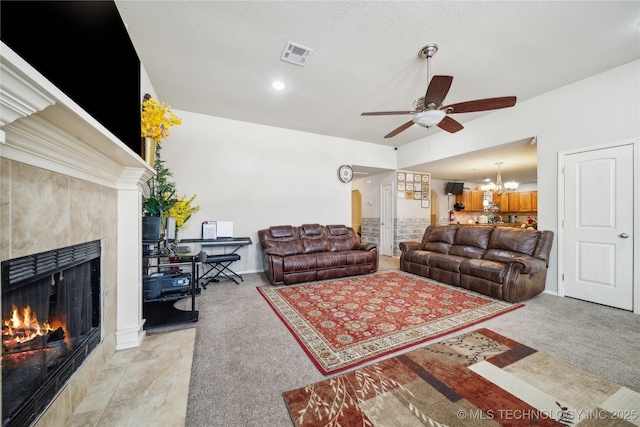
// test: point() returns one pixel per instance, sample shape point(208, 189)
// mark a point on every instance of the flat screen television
point(454, 188)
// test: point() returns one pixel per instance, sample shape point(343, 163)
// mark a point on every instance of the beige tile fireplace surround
point(64, 180)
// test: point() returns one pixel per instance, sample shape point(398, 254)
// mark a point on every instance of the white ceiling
point(219, 58)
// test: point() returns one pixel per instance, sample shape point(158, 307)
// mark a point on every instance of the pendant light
point(499, 189)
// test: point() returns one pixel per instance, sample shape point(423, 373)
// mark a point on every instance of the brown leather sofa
point(502, 262)
point(314, 252)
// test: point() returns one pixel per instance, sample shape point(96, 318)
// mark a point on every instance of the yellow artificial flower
point(182, 210)
point(156, 119)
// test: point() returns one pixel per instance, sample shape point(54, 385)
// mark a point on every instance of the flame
point(19, 329)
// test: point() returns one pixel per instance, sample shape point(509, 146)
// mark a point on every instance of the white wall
point(600, 109)
point(258, 176)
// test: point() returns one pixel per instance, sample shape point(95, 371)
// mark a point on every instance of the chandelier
point(499, 188)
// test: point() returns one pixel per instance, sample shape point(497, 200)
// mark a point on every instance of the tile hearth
point(142, 386)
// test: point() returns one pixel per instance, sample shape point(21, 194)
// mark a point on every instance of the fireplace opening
point(50, 324)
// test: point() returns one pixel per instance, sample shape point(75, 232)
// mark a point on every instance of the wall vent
point(296, 54)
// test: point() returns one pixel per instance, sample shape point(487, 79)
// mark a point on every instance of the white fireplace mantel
point(42, 127)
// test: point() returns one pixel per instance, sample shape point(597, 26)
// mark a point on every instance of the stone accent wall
point(407, 230)
point(370, 230)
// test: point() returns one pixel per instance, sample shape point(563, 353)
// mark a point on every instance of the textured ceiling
point(220, 57)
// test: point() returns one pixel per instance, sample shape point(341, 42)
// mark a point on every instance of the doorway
point(598, 205)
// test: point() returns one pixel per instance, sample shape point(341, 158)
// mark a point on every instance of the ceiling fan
point(428, 110)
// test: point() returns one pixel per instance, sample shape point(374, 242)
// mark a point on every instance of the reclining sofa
point(314, 252)
point(501, 262)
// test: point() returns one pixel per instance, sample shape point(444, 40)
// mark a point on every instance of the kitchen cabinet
point(472, 200)
point(534, 201)
point(502, 201)
point(514, 202)
point(525, 201)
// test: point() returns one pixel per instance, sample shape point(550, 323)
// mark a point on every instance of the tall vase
point(150, 150)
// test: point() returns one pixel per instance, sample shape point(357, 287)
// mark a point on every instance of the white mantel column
point(129, 332)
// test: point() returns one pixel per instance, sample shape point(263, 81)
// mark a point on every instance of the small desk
point(219, 264)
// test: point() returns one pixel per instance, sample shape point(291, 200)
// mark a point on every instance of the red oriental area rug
point(345, 322)
point(479, 378)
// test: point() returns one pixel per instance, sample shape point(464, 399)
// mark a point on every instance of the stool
point(219, 264)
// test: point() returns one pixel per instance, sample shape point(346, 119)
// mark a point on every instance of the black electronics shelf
point(164, 283)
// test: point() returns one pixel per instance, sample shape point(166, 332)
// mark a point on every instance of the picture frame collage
point(414, 186)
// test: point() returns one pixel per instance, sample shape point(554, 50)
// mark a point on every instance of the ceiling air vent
point(296, 54)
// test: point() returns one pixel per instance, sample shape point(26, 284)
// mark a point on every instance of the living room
point(258, 175)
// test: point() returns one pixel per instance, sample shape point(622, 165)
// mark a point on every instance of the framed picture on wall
point(400, 194)
point(425, 178)
point(417, 195)
point(425, 203)
point(417, 177)
point(425, 194)
point(400, 176)
point(417, 187)
point(401, 186)
point(409, 195)
point(409, 177)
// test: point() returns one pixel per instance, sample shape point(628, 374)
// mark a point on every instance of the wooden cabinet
point(525, 201)
point(502, 201)
point(513, 201)
point(477, 197)
point(534, 201)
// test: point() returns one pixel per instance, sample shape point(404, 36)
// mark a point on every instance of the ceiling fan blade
point(481, 105)
point(399, 129)
point(437, 90)
point(388, 113)
point(450, 125)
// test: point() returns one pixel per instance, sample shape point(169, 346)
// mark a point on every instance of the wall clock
point(345, 173)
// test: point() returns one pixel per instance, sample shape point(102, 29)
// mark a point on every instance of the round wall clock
point(345, 173)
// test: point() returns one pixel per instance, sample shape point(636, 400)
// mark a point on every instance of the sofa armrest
point(529, 264)
point(365, 246)
point(274, 252)
point(409, 246)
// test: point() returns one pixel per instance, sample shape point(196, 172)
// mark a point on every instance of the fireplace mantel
point(42, 127)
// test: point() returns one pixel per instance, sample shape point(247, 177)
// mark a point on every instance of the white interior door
point(386, 220)
point(599, 226)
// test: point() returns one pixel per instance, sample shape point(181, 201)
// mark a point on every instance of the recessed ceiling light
point(278, 85)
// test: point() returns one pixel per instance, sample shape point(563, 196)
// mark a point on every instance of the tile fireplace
point(65, 181)
point(50, 324)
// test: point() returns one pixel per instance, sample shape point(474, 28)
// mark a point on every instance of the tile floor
point(144, 386)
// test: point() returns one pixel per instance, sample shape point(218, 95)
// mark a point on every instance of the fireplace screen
point(50, 323)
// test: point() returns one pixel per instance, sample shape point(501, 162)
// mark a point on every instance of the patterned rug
point(476, 379)
point(345, 322)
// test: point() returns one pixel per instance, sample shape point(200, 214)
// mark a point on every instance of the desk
point(219, 264)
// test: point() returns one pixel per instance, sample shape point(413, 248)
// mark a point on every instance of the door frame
point(635, 142)
point(382, 207)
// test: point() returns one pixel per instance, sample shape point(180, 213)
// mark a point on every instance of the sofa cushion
point(441, 238)
point(446, 262)
point(515, 240)
point(338, 230)
point(490, 270)
point(313, 230)
point(316, 245)
point(282, 231)
point(471, 242)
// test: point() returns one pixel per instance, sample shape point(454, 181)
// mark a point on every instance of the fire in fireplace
point(50, 324)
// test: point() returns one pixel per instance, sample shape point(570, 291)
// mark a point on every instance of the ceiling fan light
point(429, 118)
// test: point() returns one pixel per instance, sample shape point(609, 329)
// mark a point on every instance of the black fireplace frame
point(19, 271)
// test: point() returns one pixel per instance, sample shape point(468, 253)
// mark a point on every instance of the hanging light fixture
point(499, 189)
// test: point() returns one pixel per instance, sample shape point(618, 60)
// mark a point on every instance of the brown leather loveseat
point(314, 252)
point(502, 262)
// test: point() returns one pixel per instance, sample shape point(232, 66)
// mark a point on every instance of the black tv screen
point(454, 188)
